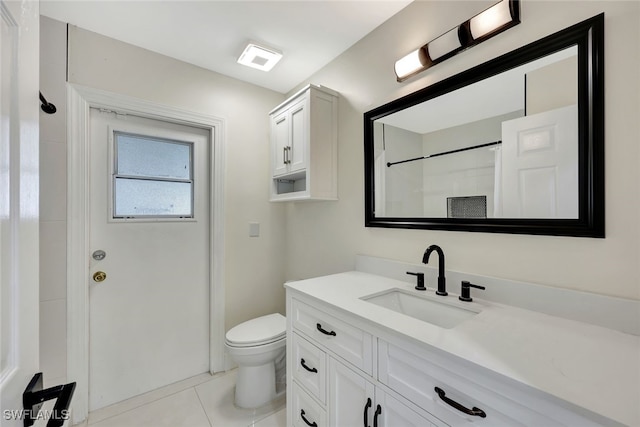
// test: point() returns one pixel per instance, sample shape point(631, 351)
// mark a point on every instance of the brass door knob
point(99, 276)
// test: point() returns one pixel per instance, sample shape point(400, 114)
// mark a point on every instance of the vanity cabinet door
point(356, 401)
point(391, 412)
point(350, 397)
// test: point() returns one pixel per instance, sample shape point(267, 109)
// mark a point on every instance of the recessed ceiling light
point(260, 57)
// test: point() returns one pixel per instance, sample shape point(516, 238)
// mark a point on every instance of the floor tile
point(146, 398)
point(279, 419)
point(182, 409)
point(217, 398)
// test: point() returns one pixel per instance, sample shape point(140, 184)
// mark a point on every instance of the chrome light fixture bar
point(494, 20)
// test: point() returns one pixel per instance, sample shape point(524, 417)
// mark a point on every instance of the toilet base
point(255, 385)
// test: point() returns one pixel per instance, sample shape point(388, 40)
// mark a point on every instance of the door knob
point(99, 276)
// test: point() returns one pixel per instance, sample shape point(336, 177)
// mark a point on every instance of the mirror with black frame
point(514, 145)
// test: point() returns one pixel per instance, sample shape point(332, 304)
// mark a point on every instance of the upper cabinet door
point(299, 136)
point(280, 143)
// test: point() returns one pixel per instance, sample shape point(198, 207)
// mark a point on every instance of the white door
point(19, 189)
point(540, 165)
point(149, 215)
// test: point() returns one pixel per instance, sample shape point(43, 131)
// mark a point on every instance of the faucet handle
point(465, 290)
point(420, 276)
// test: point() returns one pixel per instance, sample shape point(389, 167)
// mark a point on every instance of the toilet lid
point(260, 330)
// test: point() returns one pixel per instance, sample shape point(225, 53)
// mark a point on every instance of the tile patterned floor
point(202, 401)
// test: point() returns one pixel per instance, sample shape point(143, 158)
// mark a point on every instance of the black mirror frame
point(589, 38)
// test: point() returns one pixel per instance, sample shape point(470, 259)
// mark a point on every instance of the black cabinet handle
point(306, 420)
point(319, 326)
point(304, 365)
point(476, 412)
point(375, 416)
point(366, 412)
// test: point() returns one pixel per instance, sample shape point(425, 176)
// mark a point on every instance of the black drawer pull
point(476, 412)
point(375, 416)
point(366, 412)
point(319, 326)
point(304, 365)
point(306, 420)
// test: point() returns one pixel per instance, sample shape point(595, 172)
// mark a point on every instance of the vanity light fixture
point(494, 20)
point(259, 57)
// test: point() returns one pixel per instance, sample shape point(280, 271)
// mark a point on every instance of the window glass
point(137, 197)
point(142, 156)
point(153, 177)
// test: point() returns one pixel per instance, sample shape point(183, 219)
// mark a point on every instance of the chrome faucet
point(442, 282)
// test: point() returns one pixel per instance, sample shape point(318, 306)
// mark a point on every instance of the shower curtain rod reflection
point(488, 144)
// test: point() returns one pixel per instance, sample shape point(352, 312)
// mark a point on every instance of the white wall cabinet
point(345, 372)
point(304, 146)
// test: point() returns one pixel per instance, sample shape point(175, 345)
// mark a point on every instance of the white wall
point(53, 204)
point(253, 266)
point(323, 238)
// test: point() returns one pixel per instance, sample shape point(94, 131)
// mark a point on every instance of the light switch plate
point(254, 229)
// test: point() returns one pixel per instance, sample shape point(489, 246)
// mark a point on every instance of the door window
point(152, 177)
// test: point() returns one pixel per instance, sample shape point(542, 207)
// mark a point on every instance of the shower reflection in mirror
point(504, 147)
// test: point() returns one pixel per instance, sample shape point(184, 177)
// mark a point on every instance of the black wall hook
point(46, 106)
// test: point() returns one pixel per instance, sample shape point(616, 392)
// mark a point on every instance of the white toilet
point(255, 345)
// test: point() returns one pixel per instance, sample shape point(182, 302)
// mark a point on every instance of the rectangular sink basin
point(421, 307)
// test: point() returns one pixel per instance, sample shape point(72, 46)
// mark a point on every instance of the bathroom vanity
point(362, 350)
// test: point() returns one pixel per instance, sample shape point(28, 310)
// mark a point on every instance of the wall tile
point(53, 338)
point(53, 259)
point(53, 73)
point(53, 181)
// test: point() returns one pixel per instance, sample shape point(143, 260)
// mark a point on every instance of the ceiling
point(213, 34)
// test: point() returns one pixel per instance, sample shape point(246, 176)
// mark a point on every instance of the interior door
point(540, 165)
point(150, 244)
point(19, 176)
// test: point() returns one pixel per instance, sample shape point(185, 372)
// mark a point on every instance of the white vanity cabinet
point(331, 379)
point(343, 370)
point(304, 146)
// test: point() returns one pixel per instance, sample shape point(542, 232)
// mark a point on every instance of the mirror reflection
point(503, 147)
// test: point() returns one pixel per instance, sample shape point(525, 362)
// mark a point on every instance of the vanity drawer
point(305, 411)
point(310, 367)
point(415, 373)
point(352, 344)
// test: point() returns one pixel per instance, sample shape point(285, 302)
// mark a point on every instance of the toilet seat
point(259, 331)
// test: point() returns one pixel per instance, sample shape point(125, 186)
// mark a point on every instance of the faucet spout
point(442, 281)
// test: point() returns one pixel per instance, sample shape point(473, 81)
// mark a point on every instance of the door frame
point(80, 100)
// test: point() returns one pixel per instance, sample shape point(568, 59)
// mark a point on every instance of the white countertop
point(590, 366)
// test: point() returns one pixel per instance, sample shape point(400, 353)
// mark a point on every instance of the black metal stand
point(34, 396)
